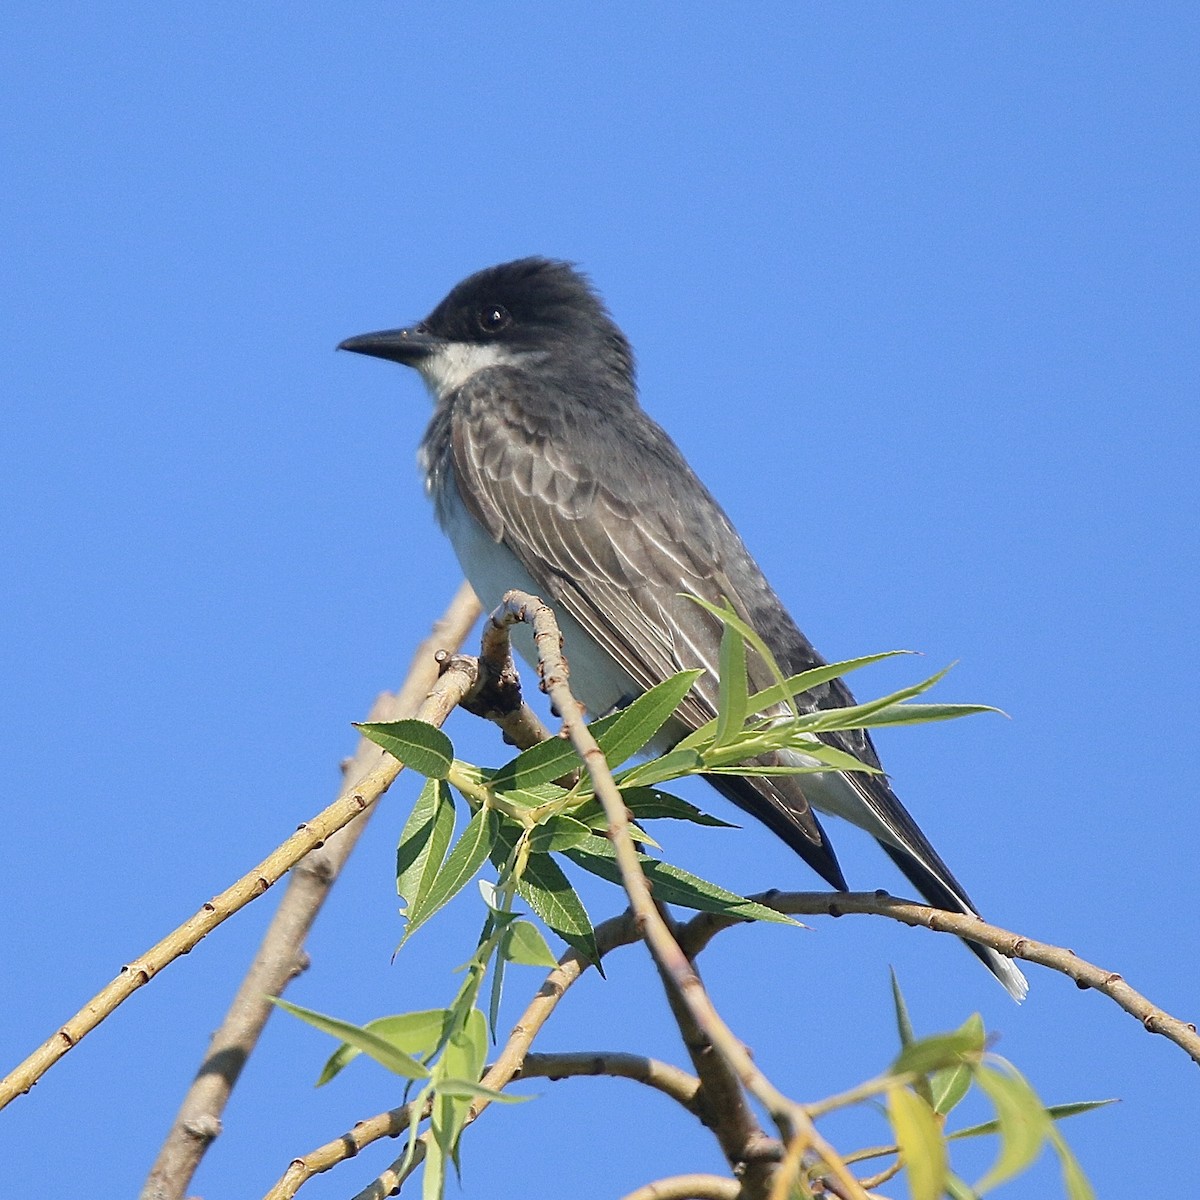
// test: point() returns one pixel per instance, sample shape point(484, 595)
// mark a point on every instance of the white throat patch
point(448, 369)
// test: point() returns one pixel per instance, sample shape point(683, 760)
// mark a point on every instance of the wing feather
point(598, 540)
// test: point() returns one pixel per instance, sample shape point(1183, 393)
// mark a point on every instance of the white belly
point(492, 569)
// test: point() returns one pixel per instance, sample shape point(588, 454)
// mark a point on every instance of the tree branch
point(663, 1077)
point(697, 932)
point(280, 956)
point(446, 693)
point(688, 1187)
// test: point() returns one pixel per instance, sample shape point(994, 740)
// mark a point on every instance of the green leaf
point(922, 1146)
point(733, 690)
point(670, 766)
point(543, 763)
point(922, 714)
point(1056, 1112)
point(1074, 1180)
point(907, 1036)
point(549, 893)
point(640, 720)
point(417, 744)
point(463, 1089)
point(433, 1182)
point(381, 1051)
point(1024, 1123)
point(728, 617)
point(462, 1060)
point(672, 885)
point(558, 833)
point(423, 842)
point(903, 1021)
point(416, 1033)
point(527, 947)
point(941, 1050)
point(796, 685)
point(948, 1086)
point(888, 710)
point(416, 1114)
point(650, 804)
point(459, 868)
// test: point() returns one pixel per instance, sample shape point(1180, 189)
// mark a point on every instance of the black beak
point(406, 346)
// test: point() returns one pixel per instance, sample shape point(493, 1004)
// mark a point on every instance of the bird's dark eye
point(493, 318)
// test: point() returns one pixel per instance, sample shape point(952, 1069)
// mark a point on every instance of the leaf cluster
point(538, 813)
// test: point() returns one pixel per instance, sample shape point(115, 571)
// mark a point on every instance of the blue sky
point(913, 287)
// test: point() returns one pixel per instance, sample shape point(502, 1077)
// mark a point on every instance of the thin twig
point(662, 1076)
point(695, 934)
point(440, 702)
point(689, 1187)
point(722, 1100)
point(280, 956)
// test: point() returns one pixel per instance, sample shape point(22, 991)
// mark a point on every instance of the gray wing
point(618, 551)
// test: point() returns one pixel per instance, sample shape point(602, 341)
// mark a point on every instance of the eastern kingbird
point(548, 476)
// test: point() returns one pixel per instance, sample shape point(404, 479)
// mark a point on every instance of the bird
point(548, 476)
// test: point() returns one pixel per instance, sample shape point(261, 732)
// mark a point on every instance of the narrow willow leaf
point(1056, 1112)
point(458, 870)
point(416, 744)
point(416, 1114)
point(650, 804)
point(463, 1059)
point(543, 763)
point(905, 1031)
point(733, 689)
point(903, 1022)
point(550, 894)
point(558, 833)
point(534, 797)
point(498, 967)
point(672, 885)
point(527, 947)
point(424, 841)
point(1023, 1123)
point(463, 1004)
point(922, 1146)
point(658, 770)
point(727, 616)
point(433, 1181)
point(858, 716)
point(375, 1047)
point(941, 1050)
point(640, 720)
point(795, 685)
point(463, 1089)
point(1074, 1180)
point(546, 890)
point(922, 714)
point(417, 1033)
point(731, 759)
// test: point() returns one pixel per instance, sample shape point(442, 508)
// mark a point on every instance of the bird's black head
point(535, 312)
